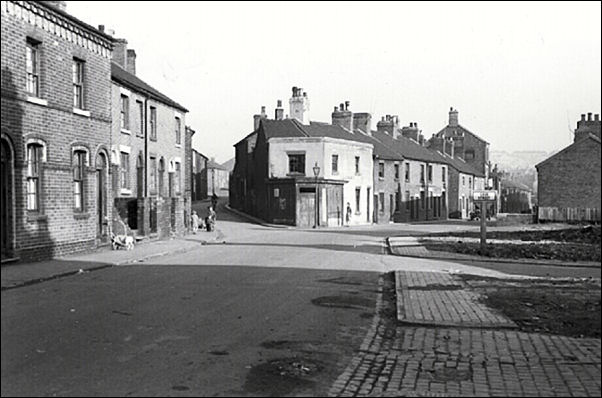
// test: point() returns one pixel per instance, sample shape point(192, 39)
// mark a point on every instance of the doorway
point(101, 204)
point(307, 208)
point(7, 214)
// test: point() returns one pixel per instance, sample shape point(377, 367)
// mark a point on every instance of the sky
point(520, 74)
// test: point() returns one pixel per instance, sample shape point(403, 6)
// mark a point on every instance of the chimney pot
point(597, 117)
point(101, 28)
point(346, 105)
point(589, 116)
point(263, 109)
point(336, 109)
point(583, 117)
point(279, 103)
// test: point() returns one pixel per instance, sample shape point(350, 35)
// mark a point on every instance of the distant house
point(516, 197)
point(199, 170)
point(569, 181)
point(217, 178)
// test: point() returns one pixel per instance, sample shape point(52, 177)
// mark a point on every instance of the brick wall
point(57, 228)
point(571, 178)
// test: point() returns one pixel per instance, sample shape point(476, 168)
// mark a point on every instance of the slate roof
point(408, 148)
point(464, 167)
point(124, 77)
point(590, 136)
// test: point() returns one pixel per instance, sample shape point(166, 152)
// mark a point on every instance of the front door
point(307, 209)
point(376, 209)
point(101, 205)
point(6, 198)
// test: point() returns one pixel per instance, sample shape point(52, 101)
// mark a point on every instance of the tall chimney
point(388, 125)
point(589, 116)
point(343, 117)
point(279, 114)
point(257, 118)
point(131, 61)
point(363, 122)
point(453, 117)
point(119, 54)
point(299, 105)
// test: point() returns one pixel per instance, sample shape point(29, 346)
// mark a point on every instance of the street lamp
point(316, 170)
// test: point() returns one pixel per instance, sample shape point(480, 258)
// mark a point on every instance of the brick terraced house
point(148, 153)
point(56, 128)
point(569, 181)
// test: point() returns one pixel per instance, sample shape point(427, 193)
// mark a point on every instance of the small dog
point(124, 241)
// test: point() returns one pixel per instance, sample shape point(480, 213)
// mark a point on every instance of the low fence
point(566, 214)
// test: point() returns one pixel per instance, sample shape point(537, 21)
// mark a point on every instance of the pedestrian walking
point(195, 222)
point(348, 214)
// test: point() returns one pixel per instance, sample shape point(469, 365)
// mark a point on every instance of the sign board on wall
point(484, 196)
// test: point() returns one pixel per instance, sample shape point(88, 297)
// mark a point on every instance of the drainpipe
point(426, 192)
point(145, 146)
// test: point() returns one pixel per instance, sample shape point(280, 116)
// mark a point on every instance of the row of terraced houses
point(291, 170)
point(88, 148)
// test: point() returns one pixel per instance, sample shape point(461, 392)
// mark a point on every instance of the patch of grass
point(548, 251)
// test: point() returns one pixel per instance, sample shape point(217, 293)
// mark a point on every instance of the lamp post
point(316, 170)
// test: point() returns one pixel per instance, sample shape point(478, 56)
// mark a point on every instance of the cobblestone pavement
point(399, 360)
point(433, 298)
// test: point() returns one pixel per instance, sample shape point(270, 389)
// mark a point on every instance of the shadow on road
point(369, 249)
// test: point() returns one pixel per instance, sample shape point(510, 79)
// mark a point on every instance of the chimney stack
point(412, 132)
point(257, 118)
point(588, 126)
point(279, 114)
point(453, 117)
point(131, 61)
point(388, 125)
point(343, 117)
point(363, 122)
point(299, 105)
point(120, 52)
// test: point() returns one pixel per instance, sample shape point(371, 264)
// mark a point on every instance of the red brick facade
point(49, 119)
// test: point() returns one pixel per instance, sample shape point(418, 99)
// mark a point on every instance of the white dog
point(124, 241)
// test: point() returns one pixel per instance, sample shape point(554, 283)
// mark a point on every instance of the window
point(140, 107)
point(463, 181)
point(178, 131)
point(408, 199)
point(381, 170)
point(33, 68)
point(161, 177)
point(152, 184)
point(177, 177)
point(296, 164)
point(125, 170)
point(34, 156)
point(78, 83)
point(469, 182)
point(422, 173)
point(357, 165)
point(358, 192)
point(422, 199)
point(396, 171)
point(381, 202)
point(430, 173)
point(407, 176)
point(125, 112)
point(153, 123)
point(397, 200)
point(79, 161)
point(443, 176)
point(335, 164)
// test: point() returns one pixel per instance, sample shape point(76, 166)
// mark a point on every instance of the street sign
point(483, 196)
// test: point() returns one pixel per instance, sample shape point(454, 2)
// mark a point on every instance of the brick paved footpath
point(408, 360)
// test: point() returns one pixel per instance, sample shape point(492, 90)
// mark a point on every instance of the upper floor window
point(79, 161)
point(125, 112)
point(443, 175)
point(407, 176)
point(178, 131)
point(296, 163)
point(32, 67)
point(335, 164)
point(430, 173)
point(421, 173)
point(78, 83)
point(140, 107)
point(463, 181)
point(34, 157)
point(469, 182)
point(396, 166)
point(153, 123)
point(381, 170)
point(357, 165)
